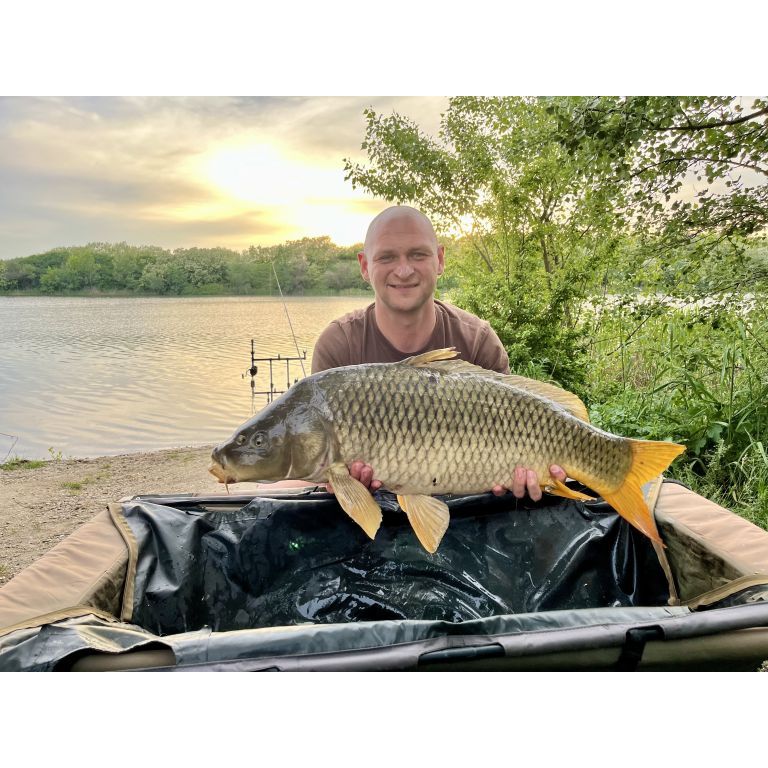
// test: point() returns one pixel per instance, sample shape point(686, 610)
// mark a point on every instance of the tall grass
point(694, 374)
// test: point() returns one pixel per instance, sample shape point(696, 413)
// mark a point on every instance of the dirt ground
point(40, 507)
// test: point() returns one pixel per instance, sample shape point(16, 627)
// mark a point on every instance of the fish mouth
point(220, 473)
point(223, 477)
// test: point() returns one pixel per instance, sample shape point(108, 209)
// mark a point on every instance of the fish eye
point(259, 439)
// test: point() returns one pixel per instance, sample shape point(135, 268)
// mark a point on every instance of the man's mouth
point(403, 287)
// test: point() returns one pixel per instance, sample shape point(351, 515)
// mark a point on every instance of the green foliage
point(659, 142)
point(694, 374)
point(184, 271)
point(311, 265)
point(528, 320)
point(16, 462)
point(20, 274)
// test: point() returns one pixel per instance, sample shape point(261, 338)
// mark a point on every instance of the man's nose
point(404, 268)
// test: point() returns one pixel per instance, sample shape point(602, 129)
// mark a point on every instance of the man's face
point(402, 263)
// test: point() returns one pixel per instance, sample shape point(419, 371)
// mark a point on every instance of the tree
point(128, 263)
point(202, 266)
point(246, 276)
point(714, 144)
point(54, 280)
point(81, 268)
point(20, 274)
point(163, 276)
point(697, 168)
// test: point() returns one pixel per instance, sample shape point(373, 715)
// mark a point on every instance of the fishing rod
point(290, 324)
point(271, 361)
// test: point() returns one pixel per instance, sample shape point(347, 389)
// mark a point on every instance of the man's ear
point(363, 265)
point(440, 259)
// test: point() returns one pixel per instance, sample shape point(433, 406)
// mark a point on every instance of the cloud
point(329, 129)
point(80, 169)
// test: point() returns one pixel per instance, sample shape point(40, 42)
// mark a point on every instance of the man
point(402, 260)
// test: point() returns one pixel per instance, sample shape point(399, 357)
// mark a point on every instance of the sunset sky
point(178, 172)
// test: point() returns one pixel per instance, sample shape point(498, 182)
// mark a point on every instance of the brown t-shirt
point(355, 339)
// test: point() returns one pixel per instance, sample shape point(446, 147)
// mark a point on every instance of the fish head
point(290, 441)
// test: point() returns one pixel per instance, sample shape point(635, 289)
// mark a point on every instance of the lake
point(85, 377)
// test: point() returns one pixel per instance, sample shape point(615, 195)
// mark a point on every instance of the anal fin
point(429, 518)
point(559, 488)
point(355, 499)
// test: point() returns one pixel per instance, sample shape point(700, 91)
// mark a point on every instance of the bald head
point(399, 215)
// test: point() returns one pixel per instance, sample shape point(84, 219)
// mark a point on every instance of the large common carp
point(432, 424)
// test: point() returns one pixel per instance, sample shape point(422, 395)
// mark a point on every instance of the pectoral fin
point(559, 488)
point(355, 499)
point(429, 518)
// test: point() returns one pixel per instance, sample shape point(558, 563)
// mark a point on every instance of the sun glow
point(256, 173)
point(303, 197)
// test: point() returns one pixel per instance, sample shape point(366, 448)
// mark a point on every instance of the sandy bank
point(39, 507)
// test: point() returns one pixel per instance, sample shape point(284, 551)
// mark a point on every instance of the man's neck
point(406, 332)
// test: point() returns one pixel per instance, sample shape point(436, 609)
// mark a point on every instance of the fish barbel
point(432, 424)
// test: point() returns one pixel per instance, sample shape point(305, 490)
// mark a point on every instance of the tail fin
point(649, 460)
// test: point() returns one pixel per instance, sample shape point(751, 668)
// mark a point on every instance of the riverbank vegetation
point(311, 266)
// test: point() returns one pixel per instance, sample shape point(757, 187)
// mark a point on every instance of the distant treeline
point(308, 266)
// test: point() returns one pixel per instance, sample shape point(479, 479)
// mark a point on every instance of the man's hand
point(362, 472)
point(525, 480)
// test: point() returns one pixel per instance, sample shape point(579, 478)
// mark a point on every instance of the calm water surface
point(90, 377)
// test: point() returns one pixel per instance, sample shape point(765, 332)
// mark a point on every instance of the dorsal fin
point(426, 358)
point(443, 360)
point(572, 403)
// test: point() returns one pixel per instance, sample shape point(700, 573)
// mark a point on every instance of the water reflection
point(91, 377)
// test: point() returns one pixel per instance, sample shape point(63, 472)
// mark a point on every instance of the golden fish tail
point(648, 460)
